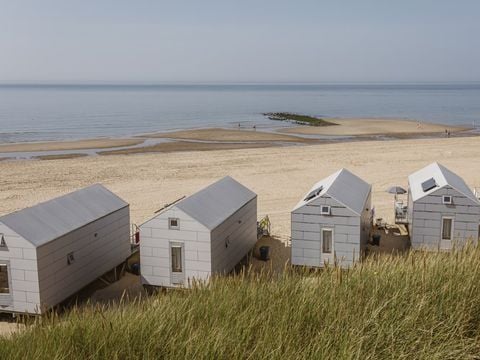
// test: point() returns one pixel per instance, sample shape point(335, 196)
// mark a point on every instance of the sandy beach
point(228, 135)
point(280, 175)
point(366, 126)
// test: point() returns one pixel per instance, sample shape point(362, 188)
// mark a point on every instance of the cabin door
point(326, 246)
point(177, 263)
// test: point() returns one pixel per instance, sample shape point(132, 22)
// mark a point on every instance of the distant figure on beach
point(239, 125)
point(254, 127)
point(448, 134)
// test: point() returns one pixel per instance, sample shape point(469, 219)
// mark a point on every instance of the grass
point(299, 119)
point(417, 306)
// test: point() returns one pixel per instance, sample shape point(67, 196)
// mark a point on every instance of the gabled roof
point(442, 177)
point(217, 202)
point(49, 220)
point(344, 187)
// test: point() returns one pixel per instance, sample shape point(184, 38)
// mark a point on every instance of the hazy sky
point(239, 41)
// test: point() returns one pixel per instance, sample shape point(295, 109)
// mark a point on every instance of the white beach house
point(442, 209)
point(332, 222)
point(204, 234)
point(50, 251)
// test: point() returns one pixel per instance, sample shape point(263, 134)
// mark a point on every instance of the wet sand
point(365, 126)
point(69, 145)
point(226, 135)
point(180, 146)
point(226, 139)
point(59, 156)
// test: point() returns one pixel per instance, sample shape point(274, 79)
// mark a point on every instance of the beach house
point(332, 222)
point(50, 251)
point(442, 210)
point(206, 233)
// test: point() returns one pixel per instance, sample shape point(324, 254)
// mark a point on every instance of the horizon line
point(245, 83)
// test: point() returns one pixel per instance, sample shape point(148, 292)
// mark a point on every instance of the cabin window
point(4, 286)
point(327, 240)
point(176, 258)
point(174, 223)
point(447, 228)
point(325, 210)
point(70, 258)
point(447, 199)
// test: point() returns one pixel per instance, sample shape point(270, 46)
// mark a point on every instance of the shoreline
point(209, 139)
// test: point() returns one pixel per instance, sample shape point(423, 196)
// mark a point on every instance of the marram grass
point(416, 306)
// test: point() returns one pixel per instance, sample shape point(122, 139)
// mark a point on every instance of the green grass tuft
point(417, 306)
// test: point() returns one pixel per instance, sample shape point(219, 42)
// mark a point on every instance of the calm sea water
point(56, 112)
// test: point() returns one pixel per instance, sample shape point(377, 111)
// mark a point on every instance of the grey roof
point(48, 221)
point(344, 187)
point(442, 177)
point(217, 202)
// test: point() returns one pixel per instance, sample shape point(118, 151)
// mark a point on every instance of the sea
point(45, 112)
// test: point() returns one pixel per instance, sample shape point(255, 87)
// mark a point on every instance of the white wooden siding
point(350, 232)
point(241, 231)
point(94, 256)
point(155, 258)
point(426, 220)
point(21, 257)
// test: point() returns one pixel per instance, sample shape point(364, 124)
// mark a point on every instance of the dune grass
point(417, 306)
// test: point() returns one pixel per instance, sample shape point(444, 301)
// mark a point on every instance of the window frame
point(330, 230)
point(71, 258)
point(7, 266)
point(180, 247)
point(449, 202)
point(452, 223)
point(329, 212)
point(172, 227)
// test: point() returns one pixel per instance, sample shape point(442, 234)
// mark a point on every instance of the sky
point(63, 41)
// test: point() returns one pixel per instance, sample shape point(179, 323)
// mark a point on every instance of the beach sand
point(280, 175)
point(226, 135)
point(365, 126)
